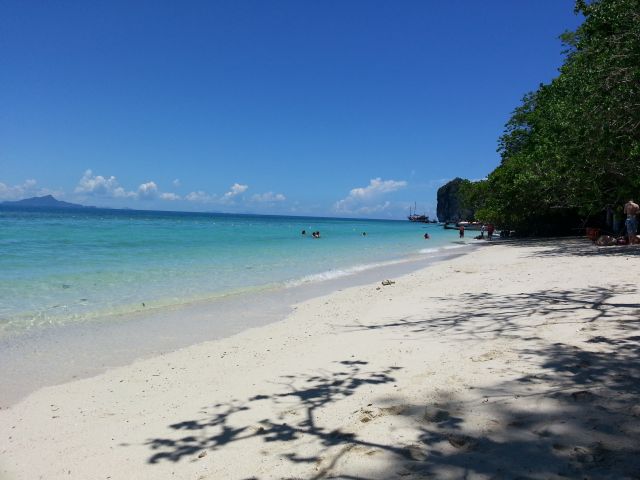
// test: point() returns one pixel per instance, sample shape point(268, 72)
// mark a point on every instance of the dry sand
point(515, 361)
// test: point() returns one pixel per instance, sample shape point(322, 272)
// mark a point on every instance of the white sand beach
point(517, 360)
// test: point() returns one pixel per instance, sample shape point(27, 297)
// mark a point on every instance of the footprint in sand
point(461, 442)
point(595, 453)
point(414, 452)
point(583, 396)
point(519, 422)
point(435, 415)
point(487, 356)
point(394, 410)
point(368, 414)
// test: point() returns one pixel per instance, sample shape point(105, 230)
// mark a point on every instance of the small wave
point(428, 250)
point(338, 273)
point(449, 247)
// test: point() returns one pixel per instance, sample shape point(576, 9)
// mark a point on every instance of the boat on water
point(467, 225)
point(414, 217)
point(418, 218)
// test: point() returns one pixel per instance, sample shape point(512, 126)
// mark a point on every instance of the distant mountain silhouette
point(44, 202)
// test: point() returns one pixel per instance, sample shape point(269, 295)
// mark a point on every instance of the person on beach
point(461, 231)
point(482, 230)
point(631, 209)
point(490, 230)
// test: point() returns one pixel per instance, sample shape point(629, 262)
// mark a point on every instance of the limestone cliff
point(449, 202)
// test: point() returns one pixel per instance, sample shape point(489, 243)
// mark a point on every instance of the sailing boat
point(414, 217)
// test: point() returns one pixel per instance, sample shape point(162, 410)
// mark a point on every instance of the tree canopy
point(572, 147)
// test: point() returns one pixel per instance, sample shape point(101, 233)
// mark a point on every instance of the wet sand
point(61, 353)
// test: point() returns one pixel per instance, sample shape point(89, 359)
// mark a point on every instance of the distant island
point(47, 201)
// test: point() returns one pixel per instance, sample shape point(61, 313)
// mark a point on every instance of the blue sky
point(340, 108)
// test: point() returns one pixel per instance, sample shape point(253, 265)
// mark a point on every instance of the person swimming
point(426, 236)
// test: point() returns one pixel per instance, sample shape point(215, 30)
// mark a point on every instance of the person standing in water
point(461, 231)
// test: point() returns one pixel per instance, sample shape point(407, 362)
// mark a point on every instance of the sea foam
point(339, 273)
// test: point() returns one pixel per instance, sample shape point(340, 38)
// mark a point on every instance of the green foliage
point(473, 196)
point(573, 146)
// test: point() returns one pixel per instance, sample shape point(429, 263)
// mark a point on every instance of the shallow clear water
point(61, 266)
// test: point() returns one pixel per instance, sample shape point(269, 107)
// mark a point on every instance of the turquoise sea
point(64, 266)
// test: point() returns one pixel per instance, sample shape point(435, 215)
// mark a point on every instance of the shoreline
point(122, 339)
point(515, 360)
point(158, 306)
point(62, 269)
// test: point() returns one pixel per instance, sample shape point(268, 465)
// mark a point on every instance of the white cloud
point(200, 196)
point(268, 197)
point(234, 192)
point(120, 192)
point(169, 196)
point(98, 185)
point(17, 192)
point(148, 190)
point(377, 186)
point(367, 210)
point(176, 182)
point(236, 189)
point(360, 198)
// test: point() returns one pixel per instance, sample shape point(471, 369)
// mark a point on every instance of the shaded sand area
point(514, 361)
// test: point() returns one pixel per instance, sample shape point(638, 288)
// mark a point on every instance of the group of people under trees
point(489, 228)
point(629, 234)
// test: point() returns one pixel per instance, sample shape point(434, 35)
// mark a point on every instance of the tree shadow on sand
point(306, 393)
point(484, 316)
point(572, 412)
point(576, 416)
point(569, 247)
